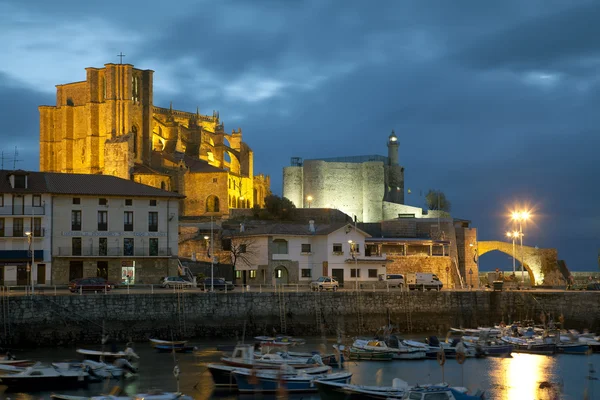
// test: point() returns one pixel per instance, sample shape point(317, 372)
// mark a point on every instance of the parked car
point(395, 280)
point(90, 284)
point(324, 283)
point(175, 281)
point(593, 286)
point(217, 284)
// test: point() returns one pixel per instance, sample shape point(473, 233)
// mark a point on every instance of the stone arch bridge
point(541, 264)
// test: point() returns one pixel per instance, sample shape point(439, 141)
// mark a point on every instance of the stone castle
point(108, 124)
point(371, 188)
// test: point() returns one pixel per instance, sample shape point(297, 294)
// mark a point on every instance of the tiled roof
point(143, 169)
point(81, 184)
point(198, 165)
point(291, 229)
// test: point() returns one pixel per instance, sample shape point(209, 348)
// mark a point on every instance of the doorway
point(102, 269)
point(338, 274)
point(22, 275)
point(18, 205)
point(75, 270)
point(41, 274)
point(281, 275)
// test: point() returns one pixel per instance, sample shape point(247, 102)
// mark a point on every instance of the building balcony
point(21, 234)
point(24, 211)
point(116, 252)
point(280, 257)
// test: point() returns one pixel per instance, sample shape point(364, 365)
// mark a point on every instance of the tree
point(436, 200)
point(238, 248)
point(279, 207)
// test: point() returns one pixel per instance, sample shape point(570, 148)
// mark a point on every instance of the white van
point(422, 281)
point(395, 280)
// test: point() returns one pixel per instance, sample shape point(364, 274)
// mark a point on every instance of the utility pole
point(212, 257)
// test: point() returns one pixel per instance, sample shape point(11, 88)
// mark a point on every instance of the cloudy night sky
point(494, 103)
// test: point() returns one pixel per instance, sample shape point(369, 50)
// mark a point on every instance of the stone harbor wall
point(45, 320)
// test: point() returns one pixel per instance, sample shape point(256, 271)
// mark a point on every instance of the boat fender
point(460, 358)
point(176, 371)
point(441, 357)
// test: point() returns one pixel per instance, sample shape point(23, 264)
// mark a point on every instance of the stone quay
point(45, 320)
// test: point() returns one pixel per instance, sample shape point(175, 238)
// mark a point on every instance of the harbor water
point(522, 377)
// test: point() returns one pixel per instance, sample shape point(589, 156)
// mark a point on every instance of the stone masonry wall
point(68, 319)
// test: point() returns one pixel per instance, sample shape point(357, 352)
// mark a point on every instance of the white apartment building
point(88, 225)
point(293, 253)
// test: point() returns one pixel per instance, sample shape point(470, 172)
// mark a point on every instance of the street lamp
point(212, 258)
point(30, 241)
point(520, 217)
point(309, 200)
point(352, 252)
point(513, 235)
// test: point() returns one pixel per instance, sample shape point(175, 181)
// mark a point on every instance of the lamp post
point(212, 258)
point(309, 200)
point(352, 252)
point(471, 278)
point(31, 249)
point(520, 217)
point(513, 235)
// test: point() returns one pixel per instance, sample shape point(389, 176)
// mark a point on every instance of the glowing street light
point(309, 200)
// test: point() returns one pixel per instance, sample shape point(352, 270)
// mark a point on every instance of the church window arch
point(135, 89)
point(134, 131)
point(212, 203)
point(240, 203)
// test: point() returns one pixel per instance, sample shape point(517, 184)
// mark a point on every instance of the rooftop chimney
point(311, 226)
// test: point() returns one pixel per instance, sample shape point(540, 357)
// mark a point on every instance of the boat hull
point(42, 383)
point(573, 349)
point(171, 343)
point(336, 391)
point(544, 349)
point(367, 355)
point(498, 351)
point(274, 383)
point(177, 349)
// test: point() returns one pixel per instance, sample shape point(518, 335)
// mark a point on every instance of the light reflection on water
point(513, 378)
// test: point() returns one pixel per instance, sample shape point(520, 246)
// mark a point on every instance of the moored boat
point(222, 376)
point(573, 348)
point(165, 348)
point(151, 395)
point(40, 378)
point(243, 356)
point(530, 346)
point(172, 343)
point(97, 355)
point(261, 382)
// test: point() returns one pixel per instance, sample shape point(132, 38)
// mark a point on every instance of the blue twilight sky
point(494, 103)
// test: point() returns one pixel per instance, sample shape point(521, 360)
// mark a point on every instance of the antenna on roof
point(15, 158)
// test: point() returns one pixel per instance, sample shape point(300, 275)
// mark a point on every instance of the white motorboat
point(39, 378)
point(150, 395)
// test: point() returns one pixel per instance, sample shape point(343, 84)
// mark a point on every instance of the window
point(212, 204)
point(135, 89)
point(102, 246)
point(128, 221)
point(152, 221)
point(102, 220)
point(238, 274)
point(128, 202)
point(152, 203)
point(252, 273)
point(306, 272)
point(225, 244)
point(17, 227)
point(76, 246)
point(153, 247)
point(355, 273)
point(20, 181)
point(280, 246)
point(305, 248)
point(76, 220)
point(372, 273)
point(1, 200)
point(1, 227)
point(128, 246)
point(279, 273)
point(102, 202)
point(37, 227)
point(355, 248)
point(36, 200)
point(76, 200)
point(242, 248)
point(214, 180)
point(337, 248)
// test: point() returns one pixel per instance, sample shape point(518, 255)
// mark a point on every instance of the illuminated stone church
point(108, 124)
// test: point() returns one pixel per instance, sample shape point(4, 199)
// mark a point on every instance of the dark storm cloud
point(494, 103)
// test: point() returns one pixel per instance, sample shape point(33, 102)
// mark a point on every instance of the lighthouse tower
point(395, 173)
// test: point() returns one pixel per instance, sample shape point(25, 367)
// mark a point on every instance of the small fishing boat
point(100, 370)
point(369, 353)
point(150, 395)
point(530, 346)
point(279, 340)
point(128, 354)
point(17, 363)
point(328, 359)
point(253, 381)
point(40, 378)
point(222, 376)
point(243, 356)
point(172, 343)
point(165, 348)
point(573, 348)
